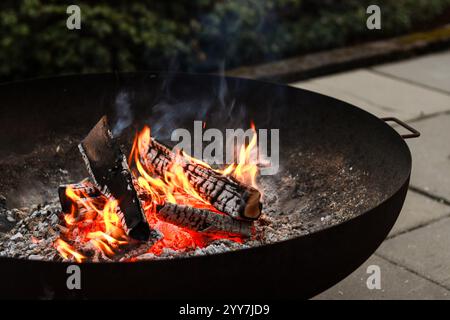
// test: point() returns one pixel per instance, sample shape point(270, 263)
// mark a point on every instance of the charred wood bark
point(109, 171)
point(83, 189)
point(202, 220)
point(225, 193)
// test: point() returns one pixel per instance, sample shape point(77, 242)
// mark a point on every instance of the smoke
point(218, 104)
point(218, 48)
point(124, 115)
point(171, 112)
point(240, 33)
point(223, 87)
point(167, 116)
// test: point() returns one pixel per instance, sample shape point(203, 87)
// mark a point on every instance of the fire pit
point(155, 223)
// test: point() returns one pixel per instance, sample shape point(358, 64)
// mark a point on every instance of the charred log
point(83, 189)
point(203, 220)
point(200, 220)
point(109, 171)
point(225, 193)
point(80, 203)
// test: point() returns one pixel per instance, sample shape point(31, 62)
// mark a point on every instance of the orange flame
point(173, 187)
point(246, 169)
point(95, 220)
point(66, 251)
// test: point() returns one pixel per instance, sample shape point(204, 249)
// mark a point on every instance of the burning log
point(225, 193)
point(110, 173)
point(83, 189)
point(202, 220)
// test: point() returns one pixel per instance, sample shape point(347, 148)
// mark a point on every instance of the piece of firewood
point(202, 220)
point(225, 193)
point(81, 204)
point(86, 191)
point(83, 189)
point(110, 173)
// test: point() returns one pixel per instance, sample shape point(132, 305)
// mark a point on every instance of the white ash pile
point(33, 231)
point(294, 205)
point(36, 229)
point(215, 247)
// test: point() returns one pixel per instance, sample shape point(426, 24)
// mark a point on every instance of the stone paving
point(415, 258)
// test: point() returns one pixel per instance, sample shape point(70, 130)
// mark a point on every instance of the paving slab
point(431, 156)
point(418, 211)
point(431, 70)
point(396, 283)
point(425, 251)
point(380, 95)
point(345, 95)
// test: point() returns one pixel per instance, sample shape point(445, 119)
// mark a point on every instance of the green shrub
point(196, 35)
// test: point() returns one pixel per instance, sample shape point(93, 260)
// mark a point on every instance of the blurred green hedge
point(191, 35)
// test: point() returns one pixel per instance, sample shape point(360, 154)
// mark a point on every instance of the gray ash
point(33, 232)
point(320, 193)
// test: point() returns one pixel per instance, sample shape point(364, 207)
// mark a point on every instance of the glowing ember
point(66, 251)
point(93, 222)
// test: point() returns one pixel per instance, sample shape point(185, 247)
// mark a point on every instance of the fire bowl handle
point(414, 133)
